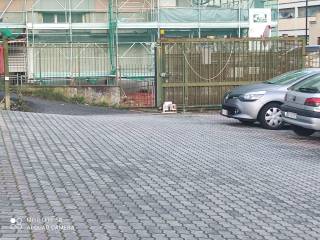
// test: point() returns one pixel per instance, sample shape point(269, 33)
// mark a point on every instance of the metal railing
point(69, 64)
point(74, 65)
point(86, 64)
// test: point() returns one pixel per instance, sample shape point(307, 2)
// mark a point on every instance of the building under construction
point(79, 38)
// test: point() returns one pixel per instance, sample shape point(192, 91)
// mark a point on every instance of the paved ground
point(144, 176)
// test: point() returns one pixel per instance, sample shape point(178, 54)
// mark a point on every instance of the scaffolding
point(90, 20)
point(128, 29)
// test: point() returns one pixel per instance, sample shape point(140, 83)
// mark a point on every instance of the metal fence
point(313, 59)
point(138, 92)
point(71, 65)
point(190, 72)
point(197, 73)
point(17, 62)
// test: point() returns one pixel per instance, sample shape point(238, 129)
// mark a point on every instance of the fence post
point(79, 62)
point(159, 64)
point(184, 55)
point(303, 57)
point(40, 70)
point(6, 73)
point(186, 75)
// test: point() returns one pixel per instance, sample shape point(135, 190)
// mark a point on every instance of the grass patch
point(77, 99)
point(58, 94)
point(46, 93)
point(52, 94)
point(19, 104)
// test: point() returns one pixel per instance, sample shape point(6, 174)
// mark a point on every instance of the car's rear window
point(310, 85)
point(289, 77)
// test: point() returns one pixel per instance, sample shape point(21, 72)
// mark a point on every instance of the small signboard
point(259, 22)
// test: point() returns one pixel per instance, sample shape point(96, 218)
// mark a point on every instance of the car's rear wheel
point(270, 116)
point(305, 132)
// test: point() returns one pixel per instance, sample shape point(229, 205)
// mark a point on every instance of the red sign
point(1, 60)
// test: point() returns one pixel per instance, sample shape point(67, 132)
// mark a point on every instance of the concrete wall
point(18, 5)
point(314, 31)
point(294, 26)
point(101, 95)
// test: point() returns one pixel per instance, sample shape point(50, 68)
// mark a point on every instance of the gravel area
point(40, 105)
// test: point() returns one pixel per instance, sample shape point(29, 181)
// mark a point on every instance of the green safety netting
point(185, 15)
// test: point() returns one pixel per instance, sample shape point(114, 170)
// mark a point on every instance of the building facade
point(292, 16)
point(314, 31)
point(130, 28)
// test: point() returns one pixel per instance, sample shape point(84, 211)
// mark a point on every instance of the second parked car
point(261, 102)
point(302, 106)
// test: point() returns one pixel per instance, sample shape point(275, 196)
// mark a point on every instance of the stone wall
point(108, 95)
point(94, 95)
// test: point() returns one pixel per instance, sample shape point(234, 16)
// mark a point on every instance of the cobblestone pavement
point(145, 176)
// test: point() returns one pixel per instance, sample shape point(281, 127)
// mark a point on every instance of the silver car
point(302, 106)
point(261, 102)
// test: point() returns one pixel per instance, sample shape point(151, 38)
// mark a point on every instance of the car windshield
point(310, 85)
point(287, 78)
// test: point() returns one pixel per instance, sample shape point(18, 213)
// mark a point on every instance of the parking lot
point(153, 176)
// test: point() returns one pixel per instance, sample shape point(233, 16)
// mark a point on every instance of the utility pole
point(239, 19)
point(306, 37)
point(6, 73)
point(199, 19)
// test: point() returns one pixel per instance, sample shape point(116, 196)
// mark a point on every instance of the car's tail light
point(313, 102)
